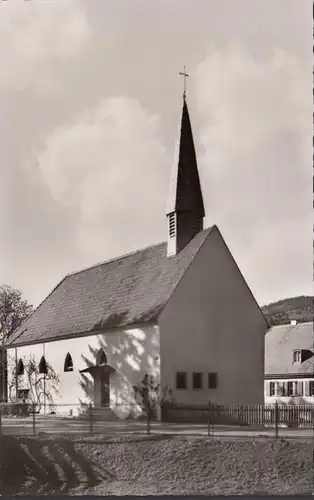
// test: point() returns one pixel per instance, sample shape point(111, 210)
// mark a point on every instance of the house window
point(181, 382)
point(290, 389)
point(20, 368)
point(22, 394)
point(212, 381)
point(101, 357)
point(272, 388)
point(298, 389)
point(68, 363)
point(297, 356)
point(311, 392)
point(197, 380)
point(172, 225)
point(43, 368)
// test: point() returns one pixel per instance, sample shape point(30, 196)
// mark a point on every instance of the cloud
point(255, 136)
point(34, 35)
point(105, 164)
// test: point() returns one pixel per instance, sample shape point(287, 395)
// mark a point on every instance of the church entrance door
point(105, 389)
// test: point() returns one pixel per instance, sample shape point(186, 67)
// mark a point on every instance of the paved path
point(56, 425)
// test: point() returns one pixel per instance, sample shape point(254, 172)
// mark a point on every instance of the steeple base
point(183, 227)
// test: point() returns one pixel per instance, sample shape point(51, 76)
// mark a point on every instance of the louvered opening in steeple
point(172, 225)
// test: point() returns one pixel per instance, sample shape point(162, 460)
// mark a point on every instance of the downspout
point(44, 381)
point(16, 376)
point(3, 368)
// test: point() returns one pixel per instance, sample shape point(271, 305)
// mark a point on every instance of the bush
point(16, 409)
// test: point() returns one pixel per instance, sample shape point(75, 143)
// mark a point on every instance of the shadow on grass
point(30, 465)
point(133, 438)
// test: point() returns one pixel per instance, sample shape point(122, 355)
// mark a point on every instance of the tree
point(42, 386)
point(13, 311)
point(151, 396)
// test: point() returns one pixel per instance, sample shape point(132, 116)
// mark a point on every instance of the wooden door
point(105, 390)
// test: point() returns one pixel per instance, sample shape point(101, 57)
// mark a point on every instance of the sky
point(90, 101)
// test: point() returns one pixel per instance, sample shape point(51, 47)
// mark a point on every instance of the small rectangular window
point(311, 388)
point(212, 381)
point(181, 382)
point(297, 356)
point(22, 393)
point(197, 380)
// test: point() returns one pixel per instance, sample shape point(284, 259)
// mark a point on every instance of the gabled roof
point(185, 192)
point(124, 291)
point(280, 341)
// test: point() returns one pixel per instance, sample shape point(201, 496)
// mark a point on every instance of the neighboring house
point(289, 364)
point(179, 310)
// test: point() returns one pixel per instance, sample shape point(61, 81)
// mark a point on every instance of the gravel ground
point(143, 465)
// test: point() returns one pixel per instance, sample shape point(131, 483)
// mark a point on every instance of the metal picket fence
point(210, 420)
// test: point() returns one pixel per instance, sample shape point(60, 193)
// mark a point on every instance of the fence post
point(208, 424)
point(276, 419)
point(148, 420)
point(34, 423)
point(90, 418)
point(0, 424)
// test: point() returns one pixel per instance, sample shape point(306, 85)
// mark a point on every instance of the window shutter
point(267, 384)
point(306, 388)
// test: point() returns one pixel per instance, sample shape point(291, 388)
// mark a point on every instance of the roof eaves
point(78, 334)
point(21, 325)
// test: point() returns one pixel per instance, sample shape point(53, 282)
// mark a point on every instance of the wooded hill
point(295, 308)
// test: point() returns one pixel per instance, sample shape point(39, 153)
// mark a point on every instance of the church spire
point(185, 208)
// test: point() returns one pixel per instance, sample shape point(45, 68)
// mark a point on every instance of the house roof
point(185, 194)
point(128, 290)
point(280, 341)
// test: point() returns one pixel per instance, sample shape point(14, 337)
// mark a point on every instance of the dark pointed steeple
point(185, 207)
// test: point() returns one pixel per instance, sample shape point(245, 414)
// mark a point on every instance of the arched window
point(43, 366)
point(101, 357)
point(68, 363)
point(20, 368)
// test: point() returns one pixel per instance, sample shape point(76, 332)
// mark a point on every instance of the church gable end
point(214, 318)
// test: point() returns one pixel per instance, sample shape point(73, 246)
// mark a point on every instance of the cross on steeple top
point(185, 76)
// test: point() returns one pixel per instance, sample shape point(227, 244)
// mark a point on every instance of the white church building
point(179, 310)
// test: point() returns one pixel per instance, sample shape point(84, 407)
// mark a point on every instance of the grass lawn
point(154, 465)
